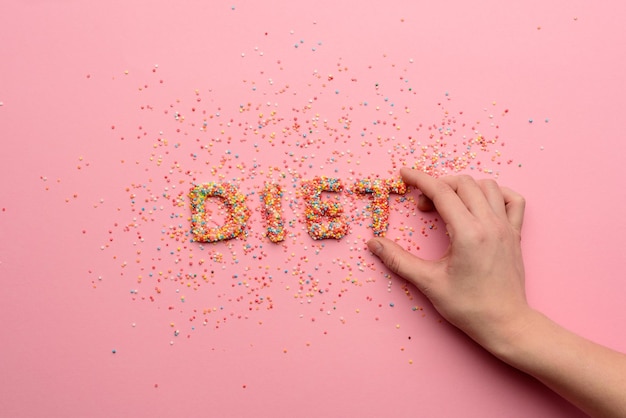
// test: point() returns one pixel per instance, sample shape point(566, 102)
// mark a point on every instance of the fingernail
point(374, 246)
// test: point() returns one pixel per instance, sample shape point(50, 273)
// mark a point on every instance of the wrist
point(512, 339)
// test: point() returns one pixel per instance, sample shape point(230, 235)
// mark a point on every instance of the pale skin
point(478, 286)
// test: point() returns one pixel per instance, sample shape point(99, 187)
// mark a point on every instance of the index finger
point(446, 201)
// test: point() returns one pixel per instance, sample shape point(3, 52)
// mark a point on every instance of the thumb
point(403, 263)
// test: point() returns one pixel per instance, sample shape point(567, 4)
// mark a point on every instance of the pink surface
point(111, 111)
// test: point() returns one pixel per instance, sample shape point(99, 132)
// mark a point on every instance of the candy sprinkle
point(235, 204)
point(380, 191)
point(271, 198)
point(323, 219)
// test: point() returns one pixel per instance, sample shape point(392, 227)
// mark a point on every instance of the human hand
point(478, 284)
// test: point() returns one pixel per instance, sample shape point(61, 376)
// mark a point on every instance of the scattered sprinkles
point(234, 209)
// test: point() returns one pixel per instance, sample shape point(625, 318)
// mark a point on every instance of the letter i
point(272, 210)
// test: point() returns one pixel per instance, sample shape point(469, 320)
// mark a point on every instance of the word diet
point(324, 219)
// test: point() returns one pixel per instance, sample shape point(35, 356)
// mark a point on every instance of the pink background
point(102, 130)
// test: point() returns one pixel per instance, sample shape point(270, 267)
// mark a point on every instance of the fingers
point(403, 263)
point(455, 197)
point(472, 194)
point(493, 194)
point(444, 198)
point(514, 206)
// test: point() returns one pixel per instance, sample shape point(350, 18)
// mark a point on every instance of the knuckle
point(489, 184)
point(517, 200)
point(473, 233)
point(465, 179)
point(478, 236)
point(514, 197)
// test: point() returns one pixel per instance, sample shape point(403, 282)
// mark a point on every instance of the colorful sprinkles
point(275, 226)
point(265, 195)
point(324, 219)
point(380, 189)
point(234, 203)
point(323, 182)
